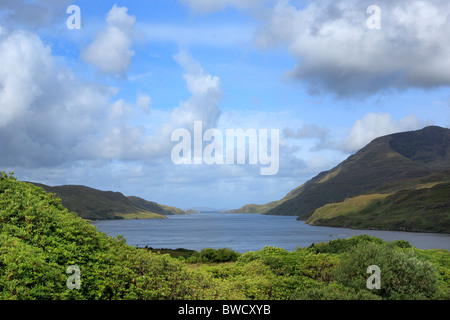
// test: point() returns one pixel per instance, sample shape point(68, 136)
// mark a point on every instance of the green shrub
point(333, 291)
point(403, 275)
point(343, 245)
point(301, 262)
point(209, 255)
point(401, 243)
point(25, 273)
point(440, 258)
point(39, 239)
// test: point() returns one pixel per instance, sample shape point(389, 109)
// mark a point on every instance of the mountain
point(95, 204)
point(386, 165)
point(264, 208)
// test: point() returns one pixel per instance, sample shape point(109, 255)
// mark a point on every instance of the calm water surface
point(245, 232)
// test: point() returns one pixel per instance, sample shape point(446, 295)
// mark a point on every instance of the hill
point(420, 210)
point(95, 204)
point(264, 208)
point(156, 207)
point(387, 164)
point(40, 241)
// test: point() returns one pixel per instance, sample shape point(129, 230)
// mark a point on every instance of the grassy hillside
point(255, 208)
point(40, 240)
point(349, 207)
point(95, 204)
point(264, 208)
point(155, 207)
point(424, 210)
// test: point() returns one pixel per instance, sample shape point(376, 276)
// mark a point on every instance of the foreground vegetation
point(40, 239)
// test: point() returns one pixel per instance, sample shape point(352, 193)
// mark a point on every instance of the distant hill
point(388, 164)
point(156, 207)
point(95, 204)
point(207, 209)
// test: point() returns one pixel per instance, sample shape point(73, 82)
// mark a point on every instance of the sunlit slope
point(424, 210)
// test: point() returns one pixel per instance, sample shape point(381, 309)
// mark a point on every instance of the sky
point(93, 94)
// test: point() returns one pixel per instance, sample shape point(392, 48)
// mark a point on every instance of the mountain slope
point(395, 159)
point(264, 208)
point(420, 210)
point(155, 207)
point(95, 204)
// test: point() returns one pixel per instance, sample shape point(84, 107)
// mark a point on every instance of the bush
point(301, 262)
point(209, 255)
point(403, 275)
point(333, 291)
point(39, 239)
point(402, 244)
point(339, 246)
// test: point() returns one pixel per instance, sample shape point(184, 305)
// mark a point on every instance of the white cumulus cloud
point(45, 111)
point(206, 95)
point(110, 51)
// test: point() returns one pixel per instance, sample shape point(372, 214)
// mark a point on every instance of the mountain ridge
point(94, 204)
point(399, 159)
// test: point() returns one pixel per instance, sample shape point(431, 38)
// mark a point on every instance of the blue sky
point(96, 106)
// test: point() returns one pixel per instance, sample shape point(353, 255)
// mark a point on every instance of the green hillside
point(40, 242)
point(420, 210)
point(264, 208)
point(95, 204)
point(40, 239)
point(155, 207)
point(387, 164)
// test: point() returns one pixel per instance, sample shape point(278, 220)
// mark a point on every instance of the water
point(245, 232)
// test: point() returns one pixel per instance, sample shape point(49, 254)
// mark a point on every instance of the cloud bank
point(337, 54)
point(32, 14)
point(49, 117)
point(44, 110)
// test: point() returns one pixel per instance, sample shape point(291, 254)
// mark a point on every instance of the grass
point(346, 208)
point(141, 215)
point(421, 210)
